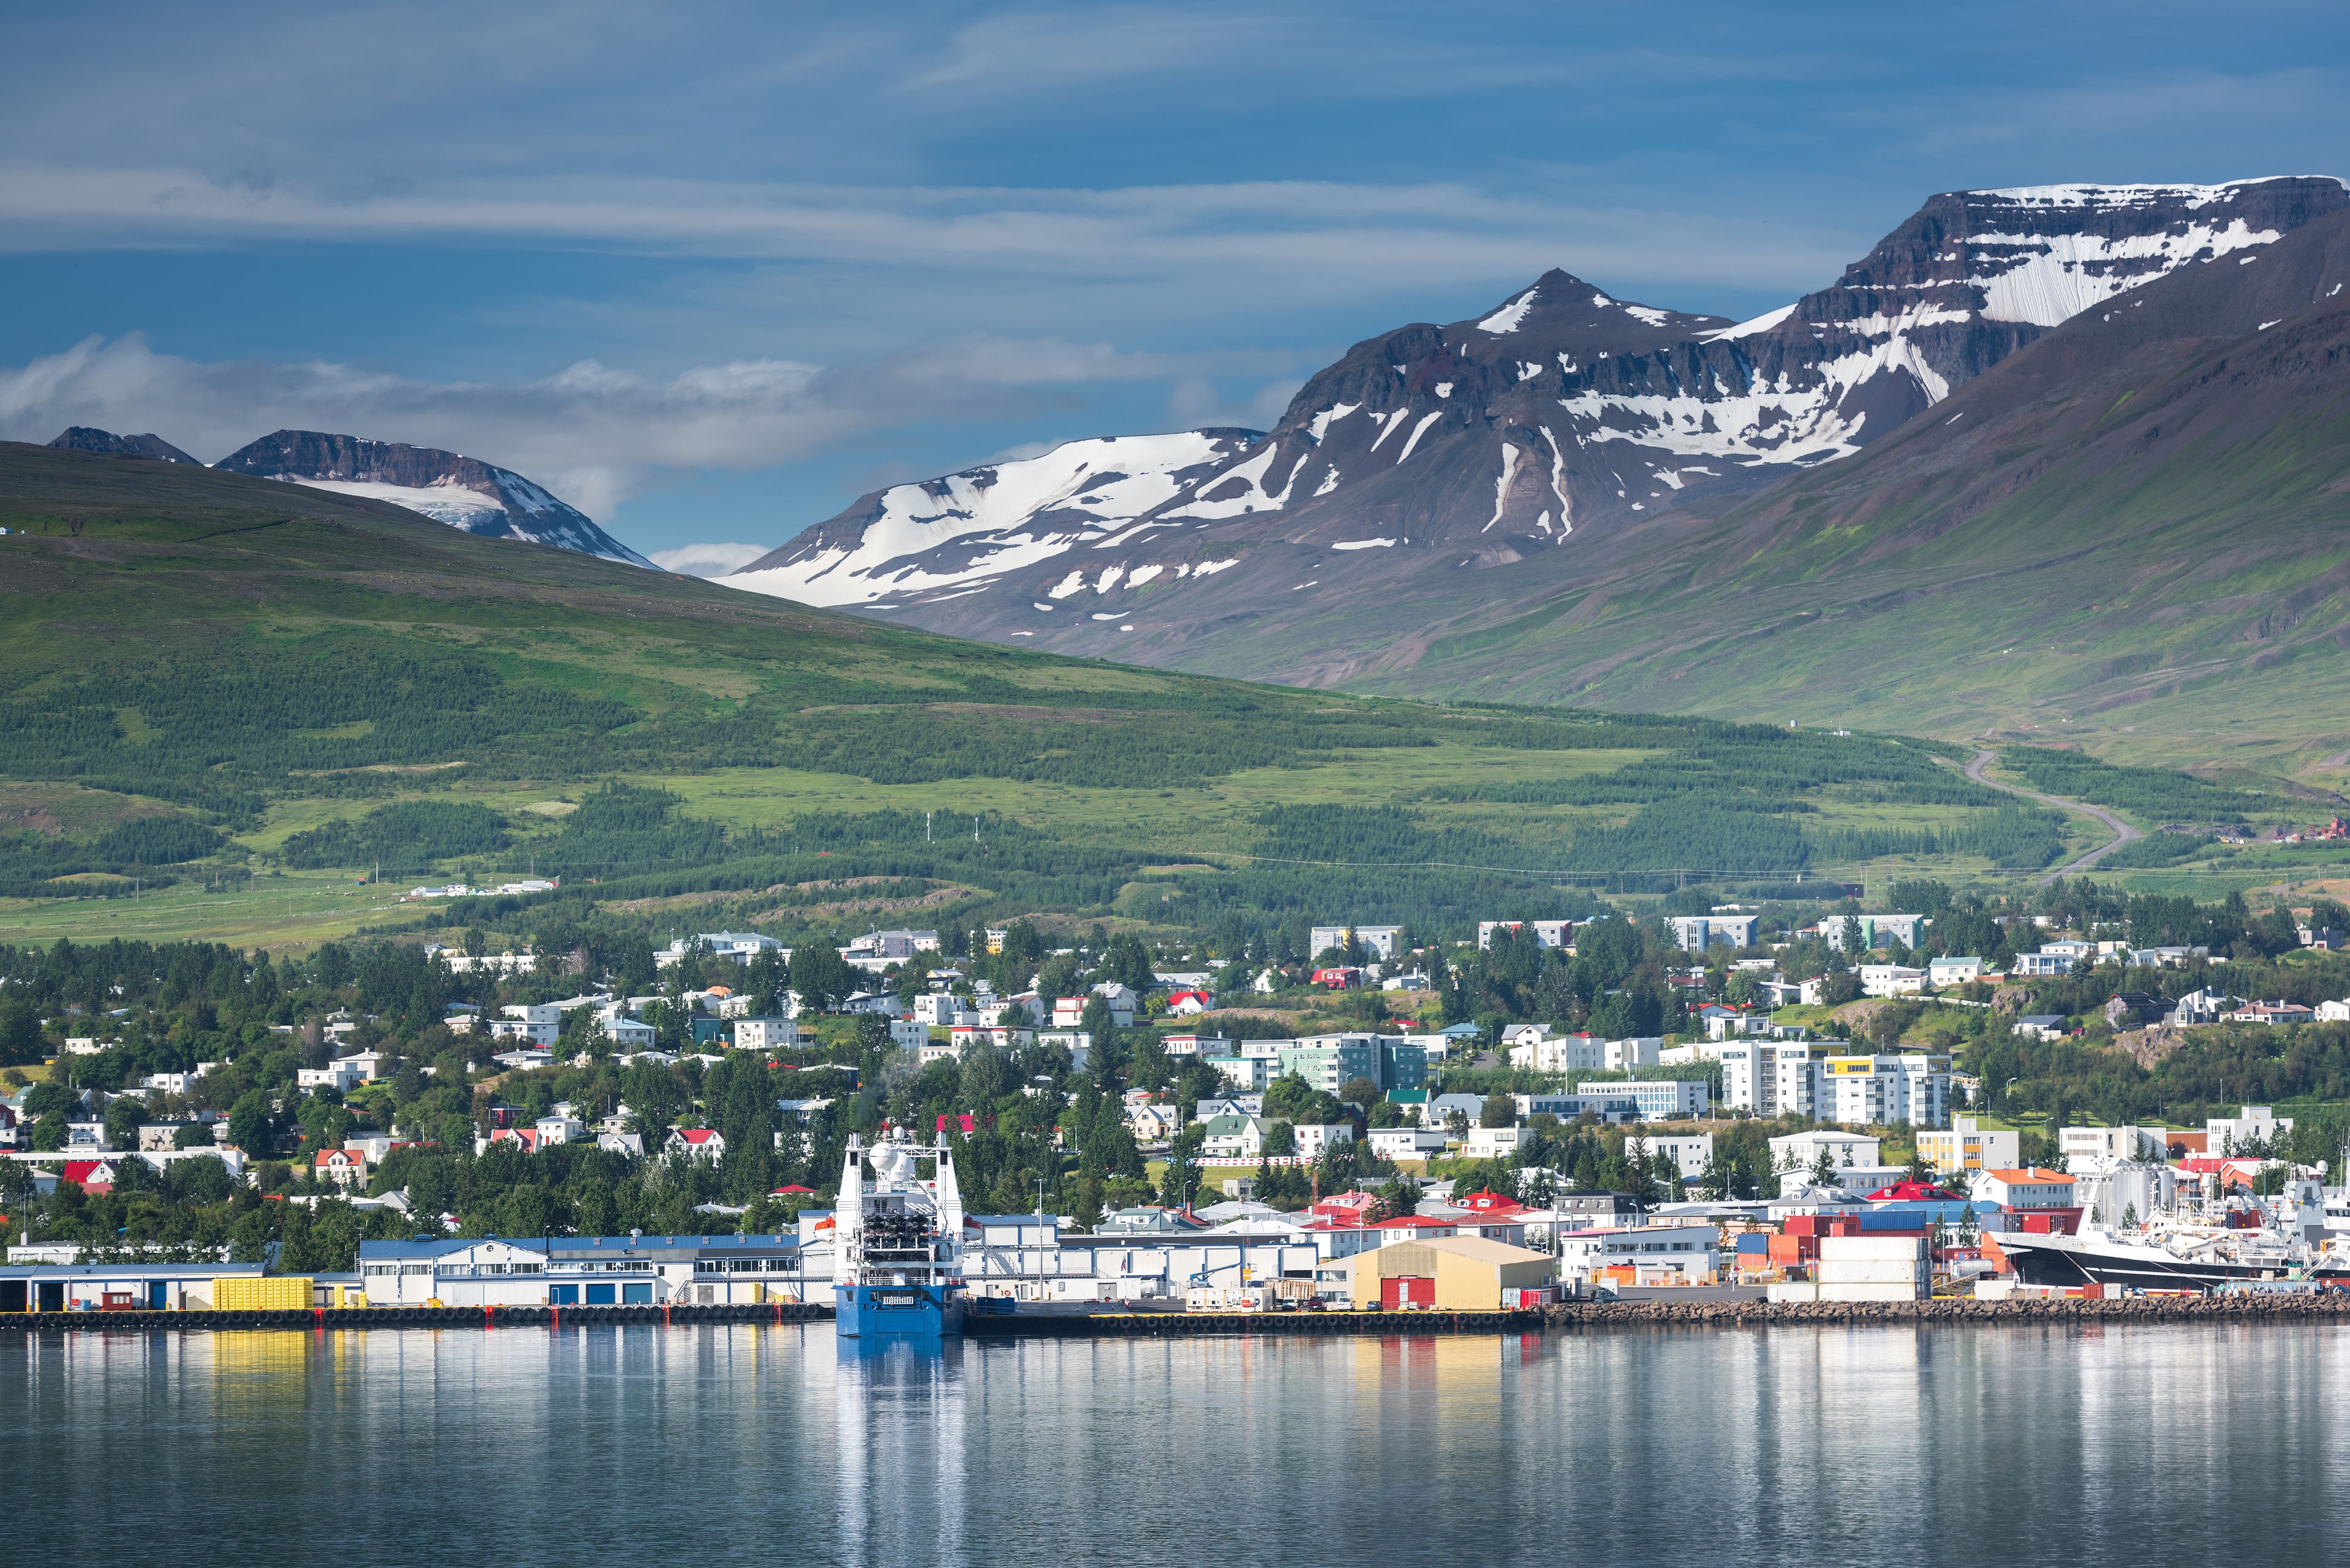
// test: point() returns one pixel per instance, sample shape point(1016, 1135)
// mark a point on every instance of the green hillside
point(226, 696)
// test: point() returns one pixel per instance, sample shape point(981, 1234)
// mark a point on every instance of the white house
point(1314, 1138)
point(697, 1143)
point(765, 1033)
point(1954, 971)
point(1406, 1143)
point(1891, 980)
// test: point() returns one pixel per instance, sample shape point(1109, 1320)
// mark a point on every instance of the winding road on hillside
point(2123, 831)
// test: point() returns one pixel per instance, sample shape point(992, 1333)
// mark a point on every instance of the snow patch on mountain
point(1507, 319)
point(921, 539)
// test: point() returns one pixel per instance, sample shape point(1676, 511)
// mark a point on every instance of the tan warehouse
point(1447, 1273)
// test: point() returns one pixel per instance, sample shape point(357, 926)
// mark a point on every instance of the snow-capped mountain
point(1559, 410)
point(88, 438)
point(462, 492)
point(977, 525)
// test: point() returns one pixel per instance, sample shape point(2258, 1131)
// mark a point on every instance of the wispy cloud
point(708, 560)
point(595, 434)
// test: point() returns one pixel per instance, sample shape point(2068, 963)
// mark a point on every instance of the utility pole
point(926, 827)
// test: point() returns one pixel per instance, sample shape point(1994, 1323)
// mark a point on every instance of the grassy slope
point(757, 712)
point(2150, 573)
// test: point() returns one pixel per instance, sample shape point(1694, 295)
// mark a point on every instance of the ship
point(897, 1242)
point(2286, 1242)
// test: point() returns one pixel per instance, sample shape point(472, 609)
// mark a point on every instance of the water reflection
point(774, 1442)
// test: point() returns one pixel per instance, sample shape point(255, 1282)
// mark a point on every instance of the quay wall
point(2321, 1306)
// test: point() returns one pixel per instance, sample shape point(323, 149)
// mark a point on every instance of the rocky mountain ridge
point(1559, 415)
point(462, 492)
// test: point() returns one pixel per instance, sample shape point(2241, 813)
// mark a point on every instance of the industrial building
point(1450, 1274)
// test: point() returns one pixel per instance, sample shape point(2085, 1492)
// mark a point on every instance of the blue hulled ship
point(897, 1240)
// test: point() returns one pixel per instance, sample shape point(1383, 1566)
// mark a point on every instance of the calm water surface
point(2184, 1445)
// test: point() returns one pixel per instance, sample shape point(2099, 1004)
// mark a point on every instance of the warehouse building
point(119, 1287)
point(1451, 1273)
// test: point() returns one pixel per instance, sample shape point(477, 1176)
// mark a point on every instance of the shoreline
point(2318, 1306)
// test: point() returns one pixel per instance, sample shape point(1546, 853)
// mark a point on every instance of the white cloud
point(593, 434)
point(1194, 402)
point(707, 560)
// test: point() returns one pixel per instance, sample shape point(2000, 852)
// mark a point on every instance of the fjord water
point(781, 1445)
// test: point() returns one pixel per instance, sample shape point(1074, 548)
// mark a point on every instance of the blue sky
point(711, 271)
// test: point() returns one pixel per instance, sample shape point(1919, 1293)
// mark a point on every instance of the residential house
point(344, 1166)
point(2271, 1013)
point(696, 1143)
point(1196, 1045)
point(2041, 1026)
point(1954, 971)
point(2148, 1007)
point(1406, 1143)
point(1234, 1137)
point(2042, 964)
point(1189, 1003)
point(1891, 980)
point(1154, 1124)
point(2202, 1006)
point(1314, 1138)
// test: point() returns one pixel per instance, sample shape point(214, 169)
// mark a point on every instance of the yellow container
point(261, 1292)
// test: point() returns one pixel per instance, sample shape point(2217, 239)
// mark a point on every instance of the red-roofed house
point(1413, 1227)
point(701, 1143)
point(92, 1176)
point(1489, 1203)
point(343, 1166)
point(1346, 1207)
point(1187, 1003)
point(1338, 976)
point(2030, 1187)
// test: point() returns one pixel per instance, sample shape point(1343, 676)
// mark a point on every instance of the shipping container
point(1829, 1292)
point(1864, 1272)
point(261, 1292)
point(1905, 1248)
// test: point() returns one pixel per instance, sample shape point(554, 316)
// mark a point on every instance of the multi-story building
point(2042, 964)
point(1639, 1099)
point(1873, 928)
point(1775, 1077)
point(1547, 933)
point(1695, 933)
point(1965, 1146)
point(1801, 1151)
point(765, 1033)
point(1873, 1091)
point(2111, 1143)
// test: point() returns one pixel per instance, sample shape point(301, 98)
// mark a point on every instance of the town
point(1725, 1105)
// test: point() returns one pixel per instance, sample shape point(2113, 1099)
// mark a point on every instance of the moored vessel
point(897, 1242)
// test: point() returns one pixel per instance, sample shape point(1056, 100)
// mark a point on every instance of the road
point(2123, 831)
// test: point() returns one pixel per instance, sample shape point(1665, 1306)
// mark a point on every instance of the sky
point(709, 272)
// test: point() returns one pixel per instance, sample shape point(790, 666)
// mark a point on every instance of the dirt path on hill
point(2124, 833)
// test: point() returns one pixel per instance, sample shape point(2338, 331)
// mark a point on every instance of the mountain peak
point(446, 486)
point(88, 438)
